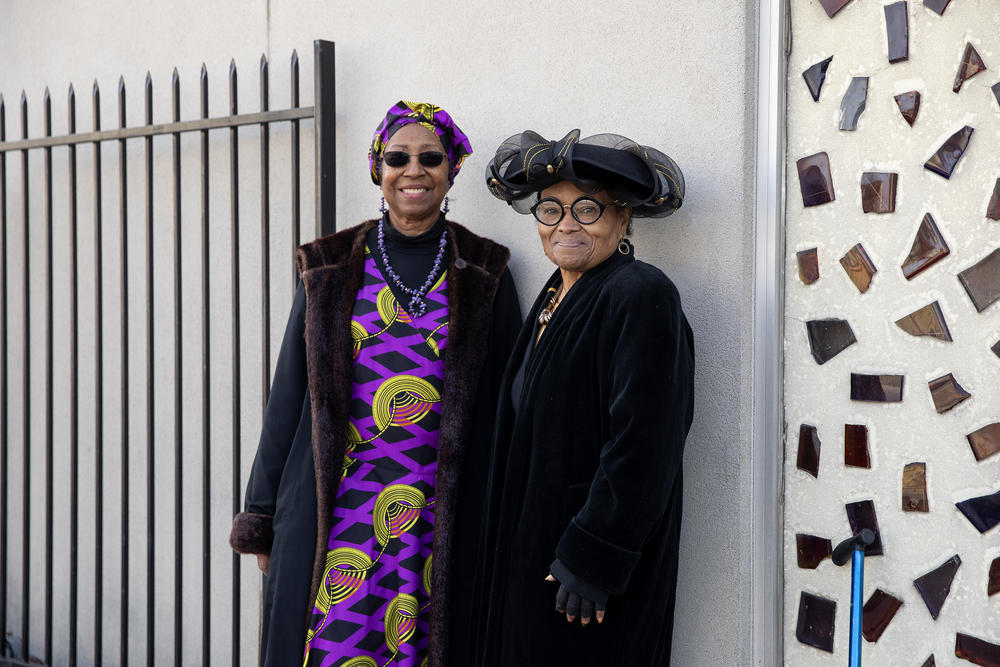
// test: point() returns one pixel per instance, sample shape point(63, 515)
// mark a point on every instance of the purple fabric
point(436, 119)
point(374, 599)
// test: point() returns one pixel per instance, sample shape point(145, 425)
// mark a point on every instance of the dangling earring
point(381, 207)
point(445, 209)
point(624, 247)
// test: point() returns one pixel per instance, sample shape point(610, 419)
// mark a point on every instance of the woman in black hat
point(585, 489)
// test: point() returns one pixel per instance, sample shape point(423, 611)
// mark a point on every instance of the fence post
point(326, 150)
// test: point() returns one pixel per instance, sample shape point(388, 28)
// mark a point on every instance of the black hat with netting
point(640, 177)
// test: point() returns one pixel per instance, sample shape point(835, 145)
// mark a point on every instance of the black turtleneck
point(412, 257)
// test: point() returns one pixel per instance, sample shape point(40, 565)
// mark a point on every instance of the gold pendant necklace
point(550, 307)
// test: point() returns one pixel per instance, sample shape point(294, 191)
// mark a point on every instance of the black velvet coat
point(587, 470)
point(293, 484)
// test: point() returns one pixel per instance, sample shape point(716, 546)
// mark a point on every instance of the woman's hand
point(264, 562)
point(571, 604)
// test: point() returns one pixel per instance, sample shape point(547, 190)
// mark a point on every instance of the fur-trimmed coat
point(293, 484)
point(586, 474)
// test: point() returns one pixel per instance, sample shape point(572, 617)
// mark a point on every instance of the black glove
point(574, 605)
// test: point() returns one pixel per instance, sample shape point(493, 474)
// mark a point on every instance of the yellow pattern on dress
point(402, 400)
point(358, 563)
point(427, 575)
point(400, 621)
point(393, 502)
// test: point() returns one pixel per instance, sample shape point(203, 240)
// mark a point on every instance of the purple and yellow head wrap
point(435, 119)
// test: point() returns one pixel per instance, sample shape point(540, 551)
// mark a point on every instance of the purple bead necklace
point(417, 307)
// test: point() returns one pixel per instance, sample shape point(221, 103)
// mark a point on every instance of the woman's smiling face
point(577, 248)
point(414, 192)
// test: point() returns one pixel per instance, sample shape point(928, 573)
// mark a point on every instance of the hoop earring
point(624, 247)
point(445, 209)
point(381, 207)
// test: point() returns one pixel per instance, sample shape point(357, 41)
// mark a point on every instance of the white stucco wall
point(899, 433)
point(673, 74)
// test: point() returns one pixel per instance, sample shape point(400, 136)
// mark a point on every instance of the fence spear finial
point(264, 84)
point(232, 87)
point(204, 91)
point(71, 109)
point(47, 111)
point(24, 115)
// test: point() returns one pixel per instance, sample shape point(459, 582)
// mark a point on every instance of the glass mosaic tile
point(878, 192)
point(985, 442)
point(815, 179)
point(929, 662)
point(861, 515)
point(915, 487)
point(833, 6)
point(859, 267)
point(971, 65)
point(815, 77)
point(854, 102)
point(938, 6)
point(897, 31)
point(809, 449)
point(977, 651)
point(993, 208)
point(808, 261)
point(876, 388)
point(928, 247)
point(982, 281)
point(816, 621)
point(993, 584)
point(828, 338)
point(877, 613)
point(983, 512)
point(811, 550)
point(943, 162)
point(926, 321)
point(947, 393)
point(995, 348)
point(909, 105)
point(856, 446)
point(996, 91)
point(935, 586)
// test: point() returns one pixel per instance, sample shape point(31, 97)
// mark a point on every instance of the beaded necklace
point(416, 307)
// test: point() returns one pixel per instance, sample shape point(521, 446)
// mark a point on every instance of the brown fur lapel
point(332, 270)
point(474, 268)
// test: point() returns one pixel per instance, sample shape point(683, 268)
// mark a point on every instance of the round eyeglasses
point(585, 210)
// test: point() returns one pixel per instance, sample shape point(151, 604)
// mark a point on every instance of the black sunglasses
point(402, 158)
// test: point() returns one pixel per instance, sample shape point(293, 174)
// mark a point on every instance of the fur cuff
point(251, 533)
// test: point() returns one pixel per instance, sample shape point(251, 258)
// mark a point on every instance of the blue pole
point(857, 587)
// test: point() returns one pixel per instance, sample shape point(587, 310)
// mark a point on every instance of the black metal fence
point(30, 588)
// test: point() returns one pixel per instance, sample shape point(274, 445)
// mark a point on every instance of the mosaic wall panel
point(892, 329)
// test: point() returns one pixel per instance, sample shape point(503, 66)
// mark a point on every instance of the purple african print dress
point(371, 608)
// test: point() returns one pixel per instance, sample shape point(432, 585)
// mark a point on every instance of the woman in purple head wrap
point(365, 499)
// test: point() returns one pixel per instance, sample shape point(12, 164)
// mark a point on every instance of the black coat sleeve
point(252, 528)
point(650, 392)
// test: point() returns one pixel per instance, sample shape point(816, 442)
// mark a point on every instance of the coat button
point(460, 263)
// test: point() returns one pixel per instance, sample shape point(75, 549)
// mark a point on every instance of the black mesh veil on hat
point(638, 176)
